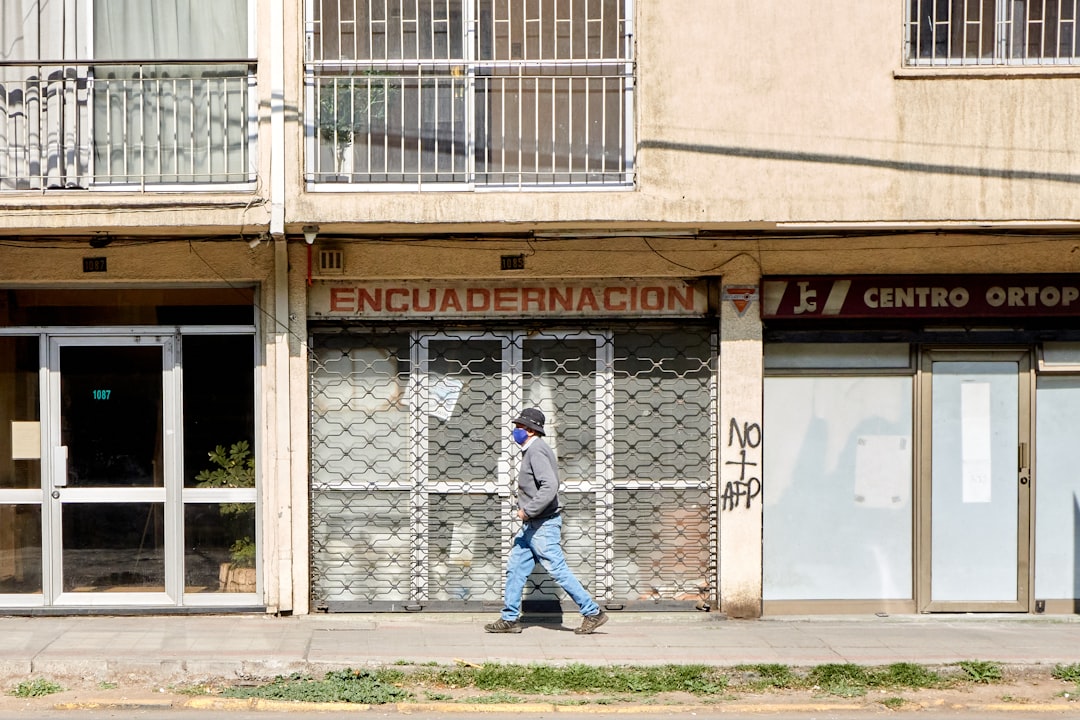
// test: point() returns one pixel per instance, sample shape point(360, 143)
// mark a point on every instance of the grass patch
point(578, 678)
point(981, 671)
point(609, 684)
point(106, 685)
point(845, 680)
point(36, 688)
point(906, 675)
point(893, 703)
point(350, 686)
point(498, 698)
point(768, 676)
point(1068, 673)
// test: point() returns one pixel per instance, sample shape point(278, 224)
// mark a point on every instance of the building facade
point(277, 274)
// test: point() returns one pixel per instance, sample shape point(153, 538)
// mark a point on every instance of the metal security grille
point(992, 32)
point(413, 469)
point(474, 92)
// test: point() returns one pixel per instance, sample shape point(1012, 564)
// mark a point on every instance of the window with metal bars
point(504, 93)
point(413, 470)
point(992, 32)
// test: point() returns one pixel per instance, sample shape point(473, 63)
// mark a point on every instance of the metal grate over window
point(413, 469)
point(470, 92)
point(993, 32)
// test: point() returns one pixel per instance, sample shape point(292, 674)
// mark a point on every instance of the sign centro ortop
point(920, 296)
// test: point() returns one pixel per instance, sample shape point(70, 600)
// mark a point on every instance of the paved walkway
point(188, 647)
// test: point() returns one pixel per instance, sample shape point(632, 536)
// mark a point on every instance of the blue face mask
point(520, 435)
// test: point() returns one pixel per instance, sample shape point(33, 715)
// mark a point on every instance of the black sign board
point(94, 264)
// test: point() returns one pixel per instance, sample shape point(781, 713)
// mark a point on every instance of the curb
point(210, 703)
point(133, 704)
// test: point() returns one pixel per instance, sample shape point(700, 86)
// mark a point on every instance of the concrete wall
point(749, 113)
point(758, 112)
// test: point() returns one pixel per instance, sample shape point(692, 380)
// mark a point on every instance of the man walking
point(540, 536)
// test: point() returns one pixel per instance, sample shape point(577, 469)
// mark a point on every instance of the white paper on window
point(882, 470)
point(975, 441)
point(445, 392)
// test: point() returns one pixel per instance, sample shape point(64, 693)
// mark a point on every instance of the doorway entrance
point(111, 435)
point(975, 488)
point(127, 448)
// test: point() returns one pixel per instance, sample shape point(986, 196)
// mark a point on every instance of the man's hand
point(521, 515)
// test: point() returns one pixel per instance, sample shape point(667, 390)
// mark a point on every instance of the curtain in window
point(43, 103)
point(170, 123)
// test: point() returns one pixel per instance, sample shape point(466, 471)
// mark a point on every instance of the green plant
point(905, 675)
point(36, 688)
point(981, 671)
point(235, 468)
point(496, 698)
point(347, 105)
point(547, 679)
point(845, 680)
point(1068, 673)
point(893, 703)
point(769, 675)
point(351, 686)
point(242, 553)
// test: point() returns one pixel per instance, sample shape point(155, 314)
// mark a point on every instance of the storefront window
point(837, 488)
point(1057, 502)
point(20, 429)
point(219, 547)
point(20, 549)
point(413, 469)
point(160, 306)
point(220, 535)
point(20, 466)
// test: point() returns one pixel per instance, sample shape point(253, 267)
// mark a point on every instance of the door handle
point(1022, 461)
point(60, 469)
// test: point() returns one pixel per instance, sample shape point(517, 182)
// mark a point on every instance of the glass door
point(976, 481)
point(112, 453)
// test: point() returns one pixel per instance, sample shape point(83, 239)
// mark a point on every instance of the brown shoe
point(503, 626)
point(590, 623)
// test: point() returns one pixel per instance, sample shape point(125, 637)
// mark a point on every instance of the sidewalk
point(188, 647)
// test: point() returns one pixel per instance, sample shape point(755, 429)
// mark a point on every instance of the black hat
point(531, 418)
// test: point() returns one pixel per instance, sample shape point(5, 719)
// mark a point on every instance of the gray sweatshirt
point(538, 481)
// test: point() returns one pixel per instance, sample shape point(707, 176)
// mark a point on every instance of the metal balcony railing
point(483, 123)
point(473, 93)
point(130, 125)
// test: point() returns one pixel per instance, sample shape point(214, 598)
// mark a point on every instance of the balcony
point(490, 124)
point(132, 126)
point(469, 94)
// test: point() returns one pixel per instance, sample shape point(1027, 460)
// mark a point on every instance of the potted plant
point(234, 468)
point(347, 108)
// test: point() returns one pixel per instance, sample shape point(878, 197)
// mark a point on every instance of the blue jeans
point(539, 540)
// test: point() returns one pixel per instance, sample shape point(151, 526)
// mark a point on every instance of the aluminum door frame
point(1024, 453)
point(56, 494)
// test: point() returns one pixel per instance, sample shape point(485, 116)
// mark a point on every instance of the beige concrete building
point(795, 285)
